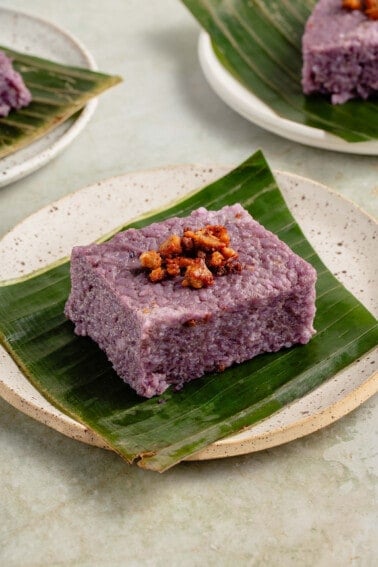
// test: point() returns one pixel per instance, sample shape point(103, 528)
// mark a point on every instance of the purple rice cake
point(165, 333)
point(340, 52)
point(13, 92)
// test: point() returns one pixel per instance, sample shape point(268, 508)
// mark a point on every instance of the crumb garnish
point(197, 256)
point(369, 7)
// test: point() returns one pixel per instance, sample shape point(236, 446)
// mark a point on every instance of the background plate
point(34, 36)
point(243, 101)
point(341, 233)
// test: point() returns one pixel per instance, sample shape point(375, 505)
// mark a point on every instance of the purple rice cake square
point(13, 92)
point(163, 333)
point(340, 52)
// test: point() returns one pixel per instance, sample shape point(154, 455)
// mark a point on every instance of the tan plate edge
point(299, 429)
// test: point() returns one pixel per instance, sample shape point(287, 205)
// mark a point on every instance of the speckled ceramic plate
point(341, 233)
point(243, 101)
point(34, 36)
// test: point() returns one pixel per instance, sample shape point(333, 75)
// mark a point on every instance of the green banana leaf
point(259, 42)
point(76, 377)
point(58, 92)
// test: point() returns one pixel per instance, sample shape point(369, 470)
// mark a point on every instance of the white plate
point(243, 101)
point(341, 233)
point(35, 36)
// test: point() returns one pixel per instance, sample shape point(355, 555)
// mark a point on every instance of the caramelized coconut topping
point(369, 7)
point(198, 256)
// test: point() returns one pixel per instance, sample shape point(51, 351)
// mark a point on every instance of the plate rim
point(301, 428)
point(41, 158)
point(243, 101)
point(230, 445)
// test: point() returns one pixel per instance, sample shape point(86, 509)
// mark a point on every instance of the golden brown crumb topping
point(197, 255)
point(197, 275)
point(150, 259)
point(369, 7)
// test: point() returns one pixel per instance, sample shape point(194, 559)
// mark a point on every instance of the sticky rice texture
point(13, 92)
point(340, 53)
point(162, 334)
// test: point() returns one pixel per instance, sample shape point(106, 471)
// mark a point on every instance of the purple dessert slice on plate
point(340, 53)
point(13, 92)
point(162, 334)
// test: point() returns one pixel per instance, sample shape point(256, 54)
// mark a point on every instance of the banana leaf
point(75, 376)
point(259, 42)
point(58, 91)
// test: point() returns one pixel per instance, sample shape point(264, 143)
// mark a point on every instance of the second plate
point(243, 101)
point(35, 36)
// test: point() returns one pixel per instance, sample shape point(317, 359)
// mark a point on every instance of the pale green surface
point(312, 502)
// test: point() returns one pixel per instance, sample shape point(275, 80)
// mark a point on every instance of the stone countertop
point(311, 502)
